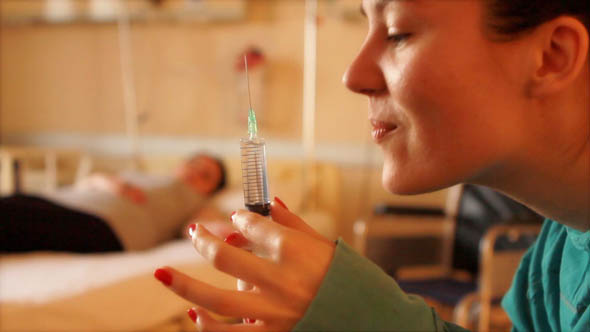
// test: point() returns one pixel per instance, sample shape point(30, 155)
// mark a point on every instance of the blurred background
point(104, 86)
point(165, 80)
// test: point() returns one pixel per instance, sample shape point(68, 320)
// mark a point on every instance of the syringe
point(254, 179)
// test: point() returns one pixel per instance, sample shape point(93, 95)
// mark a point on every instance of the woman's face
point(446, 104)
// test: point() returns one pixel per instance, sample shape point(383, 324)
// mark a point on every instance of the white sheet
point(98, 292)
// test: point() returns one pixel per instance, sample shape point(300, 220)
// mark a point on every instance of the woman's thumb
point(280, 214)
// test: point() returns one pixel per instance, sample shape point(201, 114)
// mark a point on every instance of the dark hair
point(509, 18)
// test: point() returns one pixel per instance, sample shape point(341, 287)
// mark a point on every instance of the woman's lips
point(381, 129)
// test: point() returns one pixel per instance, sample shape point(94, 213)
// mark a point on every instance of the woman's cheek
point(419, 158)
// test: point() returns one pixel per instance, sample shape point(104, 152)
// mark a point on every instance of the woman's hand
point(292, 264)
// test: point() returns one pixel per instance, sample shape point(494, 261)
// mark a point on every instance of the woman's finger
point(231, 260)
point(236, 239)
point(283, 216)
point(242, 285)
point(260, 231)
point(206, 323)
point(221, 229)
point(230, 303)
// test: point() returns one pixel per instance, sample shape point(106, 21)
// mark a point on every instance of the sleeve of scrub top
point(357, 295)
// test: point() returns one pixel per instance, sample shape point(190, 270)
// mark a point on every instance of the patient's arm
point(112, 184)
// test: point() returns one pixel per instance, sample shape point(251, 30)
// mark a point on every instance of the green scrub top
point(550, 292)
point(551, 288)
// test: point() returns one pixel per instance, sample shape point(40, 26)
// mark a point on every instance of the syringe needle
point(248, 81)
point(252, 126)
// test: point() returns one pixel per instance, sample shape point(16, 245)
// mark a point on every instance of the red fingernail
point(191, 229)
point(192, 314)
point(278, 200)
point(249, 320)
point(164, 276)
point(231, 216)
point(236, 239)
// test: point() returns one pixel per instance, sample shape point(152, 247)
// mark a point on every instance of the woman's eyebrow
point(380, 4)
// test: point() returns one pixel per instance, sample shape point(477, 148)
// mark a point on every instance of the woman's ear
point(561, 54)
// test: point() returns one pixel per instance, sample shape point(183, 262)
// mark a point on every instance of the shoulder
point(538, 273)
point(549, 245)
point(545, 254)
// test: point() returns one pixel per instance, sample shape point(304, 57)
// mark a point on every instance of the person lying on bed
point(128, 211)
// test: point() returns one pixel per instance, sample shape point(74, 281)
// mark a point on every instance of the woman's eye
point(398, 37)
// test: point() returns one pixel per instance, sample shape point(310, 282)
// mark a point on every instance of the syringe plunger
point(254, 178)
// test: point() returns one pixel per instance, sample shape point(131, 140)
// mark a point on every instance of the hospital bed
point(49, 291)
point(44, 291)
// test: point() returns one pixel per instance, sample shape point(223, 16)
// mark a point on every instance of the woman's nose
point(364, 74)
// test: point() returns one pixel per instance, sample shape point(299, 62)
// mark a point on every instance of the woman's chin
point(399, 188)
point(409, 183)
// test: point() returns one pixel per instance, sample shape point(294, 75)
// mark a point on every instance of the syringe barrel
point(254, 178)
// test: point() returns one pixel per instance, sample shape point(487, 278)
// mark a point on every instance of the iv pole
point(128, 84)
point(309, 103)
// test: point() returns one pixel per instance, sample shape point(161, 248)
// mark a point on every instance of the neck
point(558, 189)
point(551, 174)
point(563, 196)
